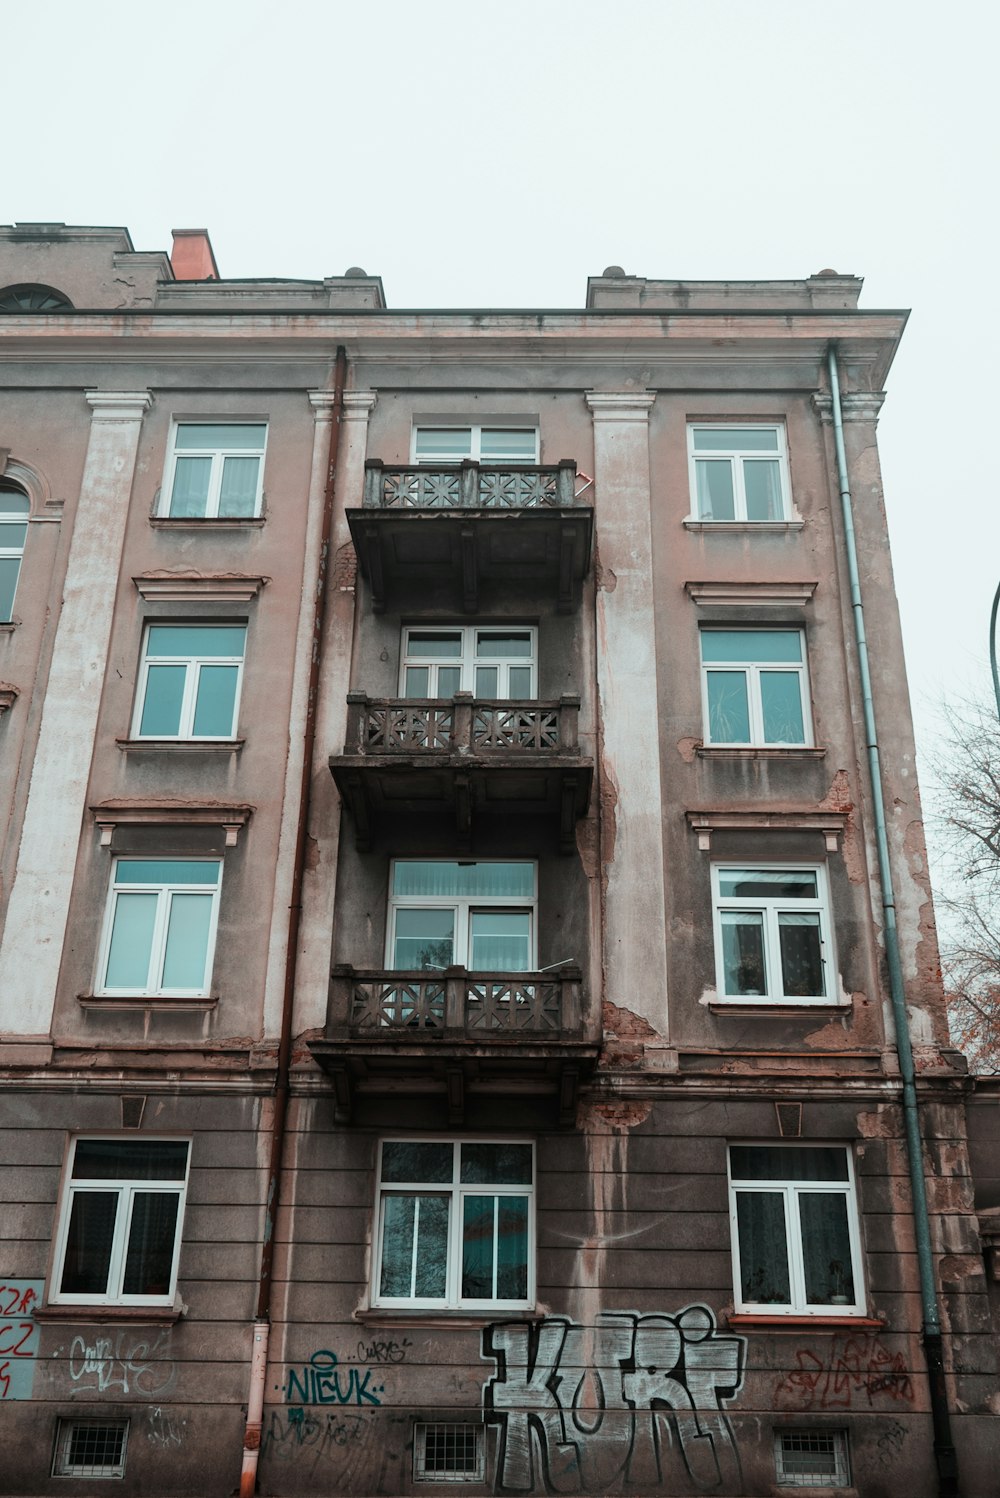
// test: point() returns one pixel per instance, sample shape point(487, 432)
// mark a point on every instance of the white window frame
point(193, 665)
point(771, 907)
point(9, 516)
point(790, 1191)
point(218, 456)
point(752, 670)
point(126, 1188)
point(62, 1466)
point(737, 456)
point(464, 907)
point(469, 659)
point(475, 430)
point(165, 892)
point(456, 1190)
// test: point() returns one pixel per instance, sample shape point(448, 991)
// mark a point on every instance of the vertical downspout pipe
point(262, 1318)
point(944, 1448)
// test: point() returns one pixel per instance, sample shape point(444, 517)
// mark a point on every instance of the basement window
point(90, 1448)
point(811, 1458)
point(448, 1451)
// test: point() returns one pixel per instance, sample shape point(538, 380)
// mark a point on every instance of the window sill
point(182, 746)
point(384, 1316)
point(742, 525)
point(783, 1008)
point(796, 1323)
point(146, 1001)
point(209, 523)
point(147, 1315)
point(9, 625)
point(758, 751)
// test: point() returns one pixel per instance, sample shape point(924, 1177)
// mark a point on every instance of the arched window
point(32, 298)
point(14, 509)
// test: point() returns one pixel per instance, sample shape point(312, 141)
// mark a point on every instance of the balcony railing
point(418, 1007)
point(460, 725)
point(467, 486)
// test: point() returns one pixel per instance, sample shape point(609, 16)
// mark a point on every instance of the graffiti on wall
point(18, 1336)
point(632, 1398)
point(858, 1368)
point(138, 1366)
point(324, 1379)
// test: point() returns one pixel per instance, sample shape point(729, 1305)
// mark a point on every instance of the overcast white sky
point(495, 154)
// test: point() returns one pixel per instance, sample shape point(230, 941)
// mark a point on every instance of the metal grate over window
point(90, 1448)
point(811, 1458)
point(448, 1452)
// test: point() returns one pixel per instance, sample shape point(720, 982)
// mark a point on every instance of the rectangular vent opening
point(811, 1458)
point(90, 1448)
point(448, 1452)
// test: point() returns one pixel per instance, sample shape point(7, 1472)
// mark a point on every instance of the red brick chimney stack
point(192, 257)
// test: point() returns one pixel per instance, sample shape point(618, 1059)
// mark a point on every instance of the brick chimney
point(192, 257)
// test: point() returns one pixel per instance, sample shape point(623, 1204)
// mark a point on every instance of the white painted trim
point(165, 892)
point(770, 907)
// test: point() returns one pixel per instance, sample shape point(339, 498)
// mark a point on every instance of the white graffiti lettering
point(138, 1367)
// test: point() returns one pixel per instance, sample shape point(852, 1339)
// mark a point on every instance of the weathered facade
point(446, 1024)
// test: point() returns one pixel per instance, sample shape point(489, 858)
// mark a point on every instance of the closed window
point(120, 1223)
point(159, 932)
point(738, 472)
point(455, 1224)
point(14, 510)
point(754, 687)
point(771, 933)
point(214, 471)
point(492, 662)
point(816, 1458)
point(479, 915)
point(796, 1241)
point(90, 1448)
point(189, 684)
point(437, 447)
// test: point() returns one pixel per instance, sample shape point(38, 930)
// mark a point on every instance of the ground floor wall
point(631, 1372)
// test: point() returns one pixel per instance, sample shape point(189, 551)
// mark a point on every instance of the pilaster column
point(635, 967)
point(32, 945)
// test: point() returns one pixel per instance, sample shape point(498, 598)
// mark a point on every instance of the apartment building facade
point(452, 908)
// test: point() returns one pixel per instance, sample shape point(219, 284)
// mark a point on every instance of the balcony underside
point(401, 551)
point(382, 789)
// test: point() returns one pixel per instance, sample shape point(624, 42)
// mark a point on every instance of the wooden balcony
point(449, 1033)
point(464, 759)
point(465, 525)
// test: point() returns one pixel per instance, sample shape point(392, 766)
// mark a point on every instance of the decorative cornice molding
point(860, 406)
point(830, 823)
point(608, 405)
point(118, 405)
point(112, 814)
point(359, 404)
point(738, 592)
point(169, 587)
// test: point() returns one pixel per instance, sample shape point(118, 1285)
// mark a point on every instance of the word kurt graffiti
point(633, 1399)
point(321, 1381)
point(857, 1365)
point(18, 1337)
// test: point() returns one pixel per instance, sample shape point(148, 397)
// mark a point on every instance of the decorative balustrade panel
point(407, 726)
point(468, 487)
point(412, 1003)
point(421, 488)
point(496, 727)
point(517, 489)
point(513, 1004)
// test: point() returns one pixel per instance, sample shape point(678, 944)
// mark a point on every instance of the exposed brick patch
point(345, 567)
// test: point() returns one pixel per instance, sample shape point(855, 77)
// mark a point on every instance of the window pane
point(190, 492)
point(246, 435)
point(238, 495)
point(512, 1248)
point(13, 502)
point(728, 707)
point(417, 681)
point(477, 1247)
point(449, 680)
point(496, 1164)
point(512, 646)
point(215, 703)
point(398, 1238)
point(161, 706)
point(801, 954)
point(501, 941)
point(743, 953)
point(166, 871)
point(449, 444)
point(130, 1160)
point(760, 1217)
point(131, 941)
point(762, 483)
point(487, 681)
point(768, 884)
point(507, 446)
point(12, 534)
point(88, 1243)
point(418, 1161)
point(826, 1248)
point(434, 644)
point(519, 681)
point(149, 1258)
point(187, 941)
point(9, 569)
point(715, 490)
point(781, 701)
point(735, 439)
point(775, 1162)
point(475, 880)
point(751, 645)
point(196, 641)
point(425, 939)
point(414, 1246)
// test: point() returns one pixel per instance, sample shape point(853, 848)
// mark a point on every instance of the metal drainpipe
point(261, 1329)
point(944, 1448)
